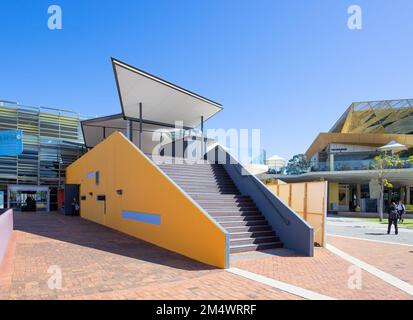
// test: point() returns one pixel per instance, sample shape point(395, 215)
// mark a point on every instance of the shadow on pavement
point(85, 233)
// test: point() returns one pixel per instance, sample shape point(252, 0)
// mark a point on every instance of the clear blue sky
point(289, 68)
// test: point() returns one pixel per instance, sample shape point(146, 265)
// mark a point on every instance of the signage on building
point(11, 142)
point(1, 199)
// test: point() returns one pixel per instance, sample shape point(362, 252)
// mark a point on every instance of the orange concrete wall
point(184, 227)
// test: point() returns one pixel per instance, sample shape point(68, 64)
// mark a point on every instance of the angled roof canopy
point(386, 116)
point(162, 102)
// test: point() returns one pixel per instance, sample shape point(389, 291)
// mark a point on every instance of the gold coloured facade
point(387, 116)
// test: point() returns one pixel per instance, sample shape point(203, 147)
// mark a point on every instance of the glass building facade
point(371, 117)
point(52, 140)
point(387, 116)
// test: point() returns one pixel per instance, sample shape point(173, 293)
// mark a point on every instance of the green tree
point(298, 165)
point(383, 163)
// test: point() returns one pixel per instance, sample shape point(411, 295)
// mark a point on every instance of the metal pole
point(140, 125)
point(202, 136)
point(128, 129)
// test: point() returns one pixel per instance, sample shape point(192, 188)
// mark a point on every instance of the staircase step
point(258, 240)
point(227, 224)
point(255, 247)
point(251, 234)
point(238, 229)
point(229, 207)
point(233, 214)
point(222, 219)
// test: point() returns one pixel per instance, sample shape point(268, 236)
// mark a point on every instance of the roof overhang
point(363, 139)
point(399, 177)
point(97, 129)
point(162, 101)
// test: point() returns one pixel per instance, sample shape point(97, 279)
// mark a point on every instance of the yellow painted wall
point(332, 194)
point(185, 228)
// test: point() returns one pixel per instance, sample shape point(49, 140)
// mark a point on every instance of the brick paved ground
point(325, 273)
point(98, 262)
point(391, 258)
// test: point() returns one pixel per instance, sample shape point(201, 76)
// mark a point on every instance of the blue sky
point(289, 68)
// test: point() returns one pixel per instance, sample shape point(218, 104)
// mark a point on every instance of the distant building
point(52, 140)
point(344, 156)
point(275, 164)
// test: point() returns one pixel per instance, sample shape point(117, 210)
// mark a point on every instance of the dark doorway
point(71, 192)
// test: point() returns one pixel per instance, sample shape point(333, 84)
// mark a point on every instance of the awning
point(393, 146)
point(162, 102)
point(97, 129)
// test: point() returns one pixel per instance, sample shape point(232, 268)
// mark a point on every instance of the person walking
point(75, 207)
point(401, 209)
point(393, 217)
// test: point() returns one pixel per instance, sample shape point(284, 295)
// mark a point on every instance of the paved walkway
point(360, 228)
point(100, 263)
point(325, 273)
point(391, 258)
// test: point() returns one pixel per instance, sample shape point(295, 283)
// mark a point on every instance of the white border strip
point(392, 280)
point(298, 291)
point(371, 240)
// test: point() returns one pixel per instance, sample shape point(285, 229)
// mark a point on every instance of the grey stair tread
point(213, 189)
point(272, 243)
point(254, 238)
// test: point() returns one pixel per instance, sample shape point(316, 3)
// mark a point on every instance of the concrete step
point(233, 213)
point(222, 219)
point(255, 247)
point(211, 193)
point(250, 240)
point(238, 229)
point(251, 234)
point(229, 207)
point(228, 224)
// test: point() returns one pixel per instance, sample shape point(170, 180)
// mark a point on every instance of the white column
point(331, 159)
point(358, 195)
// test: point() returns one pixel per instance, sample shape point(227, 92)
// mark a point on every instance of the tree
point(298, 165)
point(383, 163)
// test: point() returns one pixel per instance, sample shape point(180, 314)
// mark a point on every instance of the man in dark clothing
point(393, 217)
point(75, 207)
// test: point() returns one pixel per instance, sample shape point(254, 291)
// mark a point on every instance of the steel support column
point(140, 125)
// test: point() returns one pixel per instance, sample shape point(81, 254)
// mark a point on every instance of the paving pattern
point(101, 263)
point(391, 258)
point(325, 273)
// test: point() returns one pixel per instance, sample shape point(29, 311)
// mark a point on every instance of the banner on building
point(11, 142)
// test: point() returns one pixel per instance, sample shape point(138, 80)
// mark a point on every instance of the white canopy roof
point(275, 157)
point(162, 102)
point(393, 146)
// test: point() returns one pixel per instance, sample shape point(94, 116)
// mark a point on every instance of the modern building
point(139, 178)
point(52, 139)
point(344, 156)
